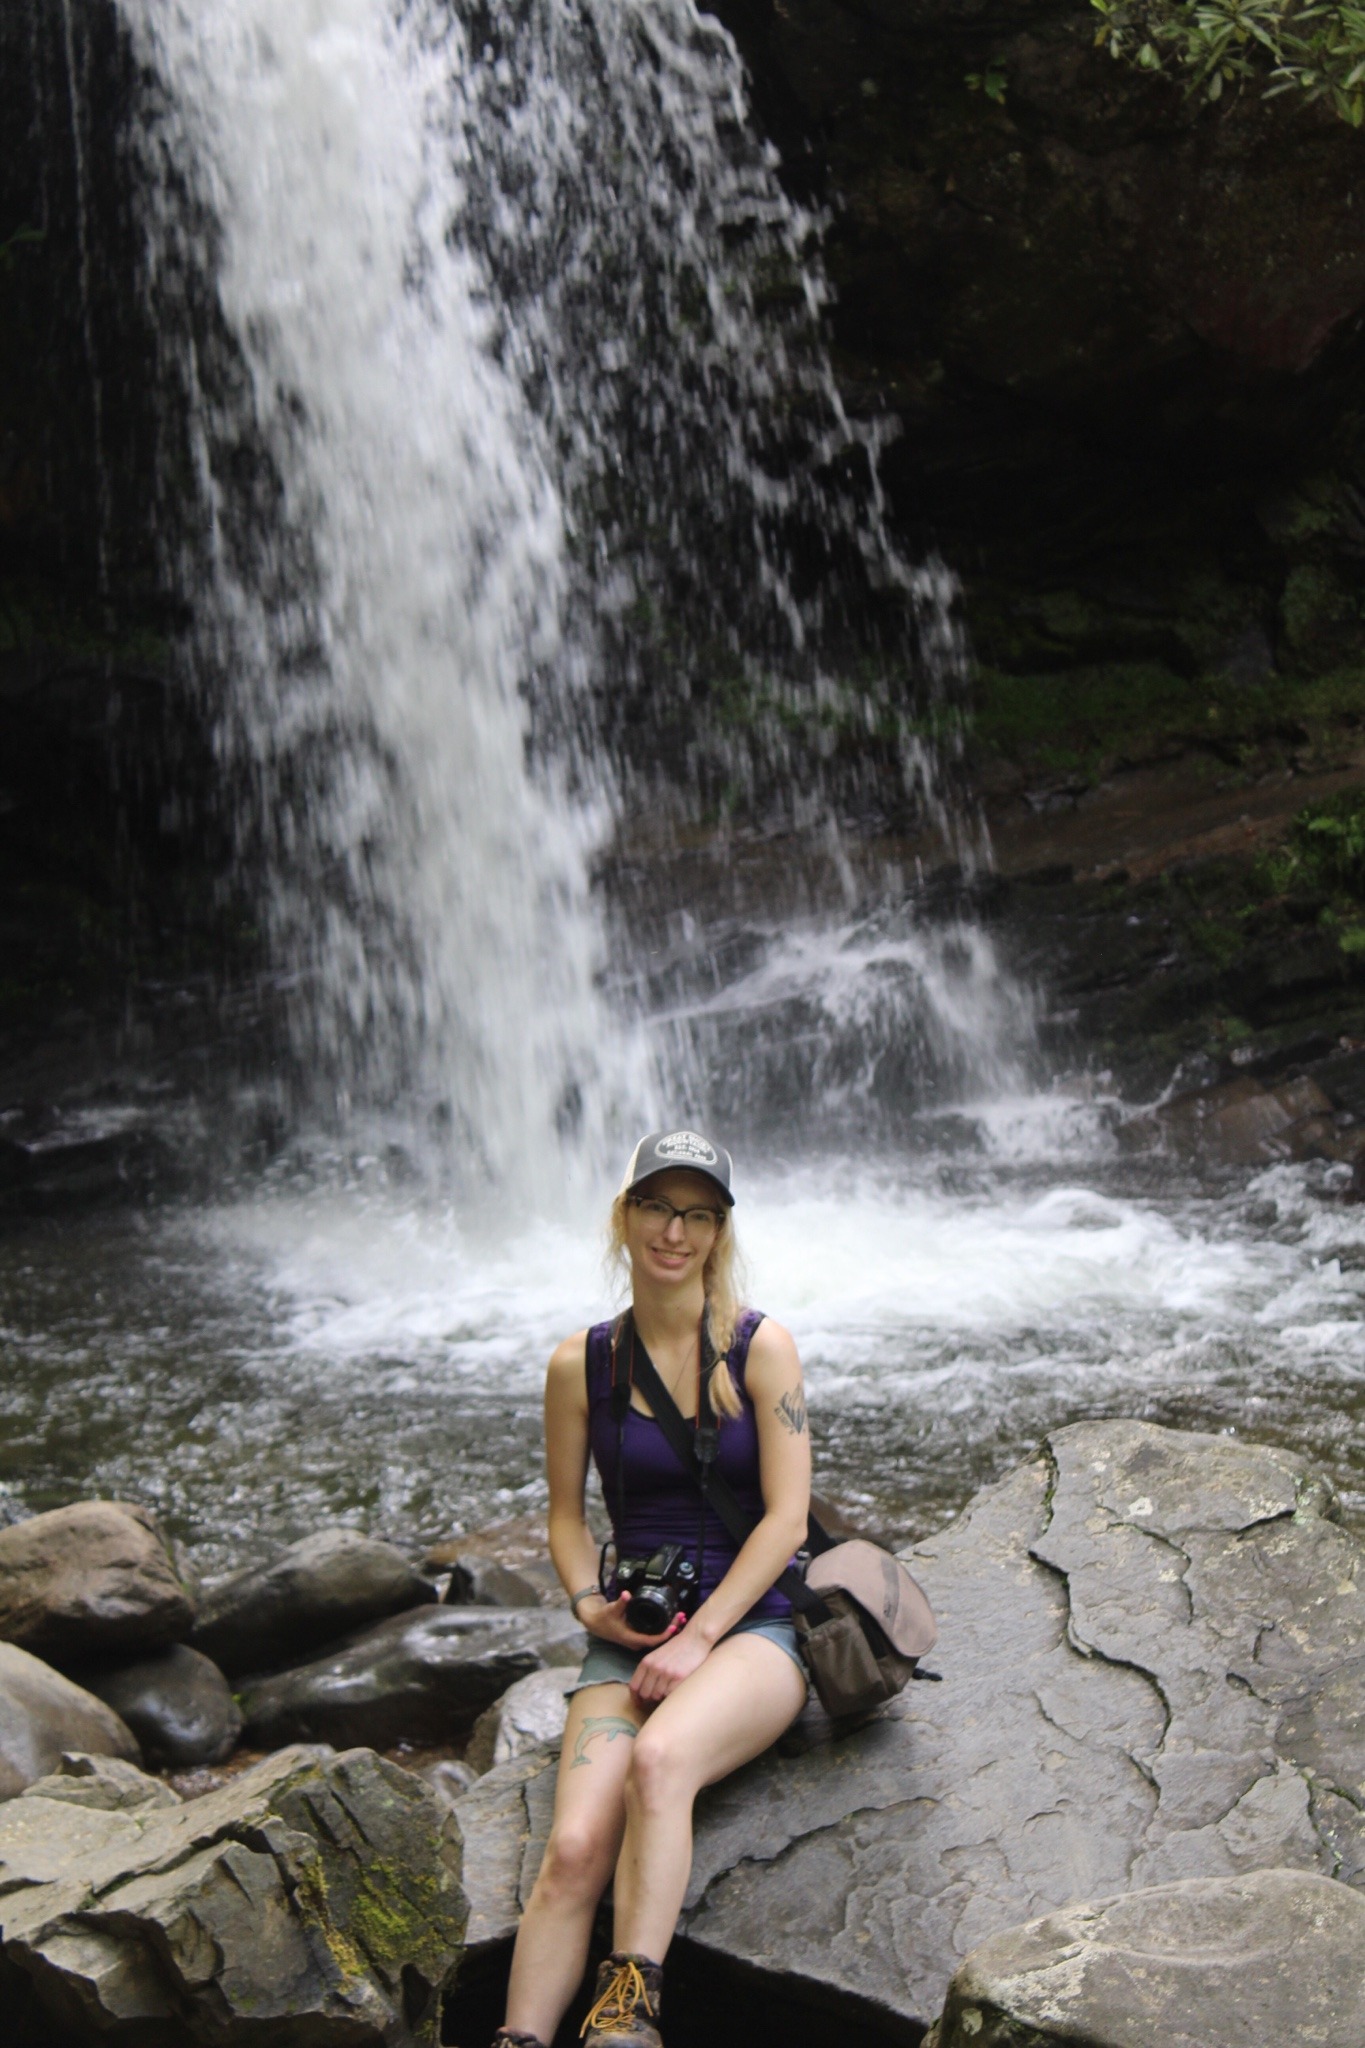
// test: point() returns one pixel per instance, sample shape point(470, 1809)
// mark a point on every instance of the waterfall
point(529, 519)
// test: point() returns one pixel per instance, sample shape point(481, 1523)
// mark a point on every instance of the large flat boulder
point(425, 1676)
point(319, 1589)
point(42, 1715)
point(1152, 1646)
point(1222, 1962)
point(307, 1901)
point(89, 1580)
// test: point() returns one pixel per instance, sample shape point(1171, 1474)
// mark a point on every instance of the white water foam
point(430, 897)
point(873, 1275)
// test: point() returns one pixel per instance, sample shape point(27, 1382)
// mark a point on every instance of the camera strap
point(687, 1447)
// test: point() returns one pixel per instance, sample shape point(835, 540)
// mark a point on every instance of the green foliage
point(1324, 848)
point(1313, 47)
point(1323, 854)
point(993, 81)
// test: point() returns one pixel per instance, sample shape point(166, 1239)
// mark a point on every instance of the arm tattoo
point(791, 1411)
point(610, 1725)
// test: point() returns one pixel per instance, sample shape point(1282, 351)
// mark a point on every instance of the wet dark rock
point(530, 1714)
point(1275, 1955)
point(43, 1715)
point(425, 1676)
point(1241, 1123)
point(483, 1582)
point(1150, 1644)
point(89, 1580)
point(57, 1157)
point(476, 1562)
point(1343, 1079)
point(317, 1590)
point(176, 1702)
point(307, 1900)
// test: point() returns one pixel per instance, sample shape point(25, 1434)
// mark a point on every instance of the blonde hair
point(722, 1278)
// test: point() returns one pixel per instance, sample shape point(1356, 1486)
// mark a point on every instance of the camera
point(659, 1587)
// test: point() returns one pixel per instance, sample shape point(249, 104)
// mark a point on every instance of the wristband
point(573, 1603)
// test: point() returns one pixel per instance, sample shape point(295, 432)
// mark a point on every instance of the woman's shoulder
point(767, 1345)
point(568, 1357)
point(584, 1358)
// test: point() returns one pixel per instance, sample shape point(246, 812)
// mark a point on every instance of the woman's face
point(669, 1247)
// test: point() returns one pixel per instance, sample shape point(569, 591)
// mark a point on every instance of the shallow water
point(310, 1354)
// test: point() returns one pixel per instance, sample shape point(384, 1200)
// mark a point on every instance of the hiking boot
point(508, 2037)
point(625, 2011)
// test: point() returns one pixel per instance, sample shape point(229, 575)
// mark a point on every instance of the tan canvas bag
point(879, 1625)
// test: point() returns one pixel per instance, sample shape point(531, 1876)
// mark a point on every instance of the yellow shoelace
point(614, 2012)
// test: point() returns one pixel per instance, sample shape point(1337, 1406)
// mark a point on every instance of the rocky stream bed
point(1141, 1768)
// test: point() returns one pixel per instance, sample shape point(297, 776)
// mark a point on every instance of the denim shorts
point(613, 1664)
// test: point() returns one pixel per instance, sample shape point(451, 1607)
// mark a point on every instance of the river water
point(301, 1357)
point(523, 527)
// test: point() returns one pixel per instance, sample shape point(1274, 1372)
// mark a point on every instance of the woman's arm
point(773, 1380)
point(572, 1547)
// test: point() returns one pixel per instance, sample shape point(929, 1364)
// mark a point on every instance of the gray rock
point(308, 1901)
point(106, 1782)
point(529, 1715)
point(1152, 1646)
point(89, 1580)
point(483, 1582)
point(317, 1590)
point(176, 1702)
point(419, 1677)
point(42, 1715)
point(1276, 1955)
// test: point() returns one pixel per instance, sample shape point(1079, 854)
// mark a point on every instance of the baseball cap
point(669, 1151)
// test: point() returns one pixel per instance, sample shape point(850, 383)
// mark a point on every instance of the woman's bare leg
point(731, 1709)
point(585, 1838)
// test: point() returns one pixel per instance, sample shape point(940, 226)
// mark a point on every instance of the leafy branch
point(1313, 47)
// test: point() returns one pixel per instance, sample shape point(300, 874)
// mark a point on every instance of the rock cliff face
point(1122, 330)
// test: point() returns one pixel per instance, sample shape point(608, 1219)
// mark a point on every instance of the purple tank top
point(662, 1503)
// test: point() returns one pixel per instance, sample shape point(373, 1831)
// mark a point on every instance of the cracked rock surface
point(1274, 1956)
point(306, 1902)
point(1151, 1644)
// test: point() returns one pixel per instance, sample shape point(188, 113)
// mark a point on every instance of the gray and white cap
point(668, 1151)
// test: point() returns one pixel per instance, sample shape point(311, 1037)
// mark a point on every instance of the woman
point(653, 1718)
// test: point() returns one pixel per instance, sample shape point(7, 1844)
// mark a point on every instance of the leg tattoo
point(610, 1725)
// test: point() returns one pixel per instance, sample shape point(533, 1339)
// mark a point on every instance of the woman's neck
point(666, 1319)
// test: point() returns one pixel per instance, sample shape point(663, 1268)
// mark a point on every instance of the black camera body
point(660, 1587)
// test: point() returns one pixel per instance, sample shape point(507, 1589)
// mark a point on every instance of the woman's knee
point(578, 1860)
point(661, 1769)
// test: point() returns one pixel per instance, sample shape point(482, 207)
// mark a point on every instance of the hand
point(609, 1622)
point(664, 1669)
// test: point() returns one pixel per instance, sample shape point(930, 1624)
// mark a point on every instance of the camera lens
point(649, 1612)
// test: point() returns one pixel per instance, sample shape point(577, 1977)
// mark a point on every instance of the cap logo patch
point(689, 1148)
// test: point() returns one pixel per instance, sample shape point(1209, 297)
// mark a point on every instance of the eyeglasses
point(696, 1222)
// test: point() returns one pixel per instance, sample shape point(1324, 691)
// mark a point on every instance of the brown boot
point(625, 2012)
point(508, 2037)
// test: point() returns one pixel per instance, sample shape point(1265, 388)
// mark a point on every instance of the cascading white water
point(505, 488)
point(378, 643)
